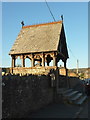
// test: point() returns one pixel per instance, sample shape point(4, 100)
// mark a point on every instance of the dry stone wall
point(76, 84)
point(28, 93)
point(72, 82)
point(21, 94)
point(32, 70)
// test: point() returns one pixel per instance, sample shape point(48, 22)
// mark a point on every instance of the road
point(84, 113)
point(60, 110)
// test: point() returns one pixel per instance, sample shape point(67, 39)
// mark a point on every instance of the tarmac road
point(61, 110)
point(84, 113)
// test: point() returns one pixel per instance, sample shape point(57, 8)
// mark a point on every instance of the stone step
point(70, 94)
point(81, 100)
point(76, 97)
point(67, 91)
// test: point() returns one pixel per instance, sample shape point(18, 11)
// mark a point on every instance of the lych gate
point(41, 43)
point(40, 58)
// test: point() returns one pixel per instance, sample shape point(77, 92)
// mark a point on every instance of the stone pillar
point(13, 61)
point(23, 62)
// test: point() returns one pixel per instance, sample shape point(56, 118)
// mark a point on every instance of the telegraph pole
point(77, 65)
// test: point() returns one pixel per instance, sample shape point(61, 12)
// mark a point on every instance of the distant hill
point(83, 72)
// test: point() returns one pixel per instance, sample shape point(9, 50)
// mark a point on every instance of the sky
point(75, 25)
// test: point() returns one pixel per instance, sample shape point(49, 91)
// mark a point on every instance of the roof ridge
point(36, 25)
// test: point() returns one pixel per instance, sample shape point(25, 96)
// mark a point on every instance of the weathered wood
point(13, 61)
point(43, 61)
point(23, 62)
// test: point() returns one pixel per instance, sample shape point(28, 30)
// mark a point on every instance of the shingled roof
point(38, 38)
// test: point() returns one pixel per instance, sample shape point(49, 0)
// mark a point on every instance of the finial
point(62, 17)
point(22, 23)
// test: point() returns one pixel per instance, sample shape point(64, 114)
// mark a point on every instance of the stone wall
point(62, 71)
point(62, 81)
point(76, 83)
point(28, 93)
point(32, 70)
point(71, 82)
point(22, 94)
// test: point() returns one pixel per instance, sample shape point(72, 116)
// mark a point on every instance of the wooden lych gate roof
point(41, 38)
